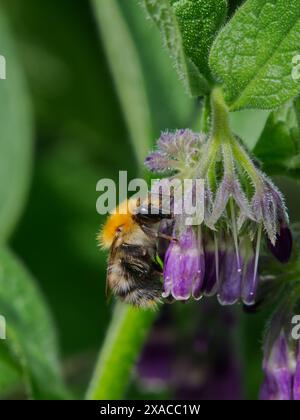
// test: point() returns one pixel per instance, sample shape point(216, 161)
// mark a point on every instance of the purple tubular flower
point(296, 389)
point(214, 257)
point(250, 283)
point(278, 384)
point(210, 278)
point(184, 267)
point(231, 278)
point(223, 384)
point(155, 364)
point(230, 273)
point(282, 250)
point(205, 368)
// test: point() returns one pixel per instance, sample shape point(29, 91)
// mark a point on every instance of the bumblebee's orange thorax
point(121, 222)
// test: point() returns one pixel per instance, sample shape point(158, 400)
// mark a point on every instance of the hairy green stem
point(124, 341)
point(220, 115)
point(221, 129)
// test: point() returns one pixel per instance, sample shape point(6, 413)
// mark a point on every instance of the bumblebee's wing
point(107, 287)
point(127, 261)
point(143, 276)
point(111, 261)
point(140, 261)
point(133, 276)
point(108, 293)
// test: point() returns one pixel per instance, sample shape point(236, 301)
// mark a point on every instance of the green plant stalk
point(125, 338)
point(220, 114)
point(221, 129)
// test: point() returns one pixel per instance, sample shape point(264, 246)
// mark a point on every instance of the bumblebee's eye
point(119, 230)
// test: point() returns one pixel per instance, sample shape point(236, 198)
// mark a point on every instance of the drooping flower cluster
point(219, 254)
point(204, 368)
point(282, 370)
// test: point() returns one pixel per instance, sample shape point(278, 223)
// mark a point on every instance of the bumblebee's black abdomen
point(142, 296)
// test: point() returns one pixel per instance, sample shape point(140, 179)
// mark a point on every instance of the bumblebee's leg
point(167, 237)
point(157, 235)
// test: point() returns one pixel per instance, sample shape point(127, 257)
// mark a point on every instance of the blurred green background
point(71, 133)
point(66, 123)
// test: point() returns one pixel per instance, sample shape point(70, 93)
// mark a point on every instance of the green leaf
point(199, 21)
point(297, 110)
point(126, 70)
point(253, 55)
point(31, 343)
point(10, 378)
point(15, 136)
point(170, 106)
point(187, 31)
point(279, 145)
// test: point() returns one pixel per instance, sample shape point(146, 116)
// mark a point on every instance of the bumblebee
point(133, 236)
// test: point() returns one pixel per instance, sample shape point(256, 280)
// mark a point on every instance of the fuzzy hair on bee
point(132, 235)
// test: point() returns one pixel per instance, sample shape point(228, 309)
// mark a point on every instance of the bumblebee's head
point(119, 223)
